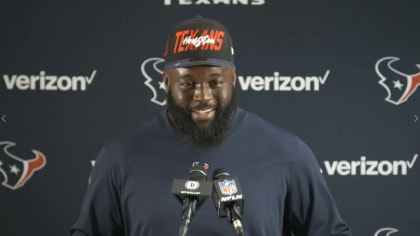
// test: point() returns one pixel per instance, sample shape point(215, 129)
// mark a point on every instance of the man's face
point(201, 102)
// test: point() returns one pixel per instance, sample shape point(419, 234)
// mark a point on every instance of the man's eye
point(187, 85)
point(215, 83)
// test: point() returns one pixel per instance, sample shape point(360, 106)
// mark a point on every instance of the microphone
point(191, 194)
point(228, 198)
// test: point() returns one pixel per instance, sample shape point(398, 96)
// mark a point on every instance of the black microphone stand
point(188, 210)
point(234, 216)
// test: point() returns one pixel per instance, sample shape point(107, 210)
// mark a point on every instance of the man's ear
point(234, 76)
point(165, 81)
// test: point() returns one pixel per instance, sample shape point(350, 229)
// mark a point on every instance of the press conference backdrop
point(342, 75)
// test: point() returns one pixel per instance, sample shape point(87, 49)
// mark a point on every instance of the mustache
point(203, 106)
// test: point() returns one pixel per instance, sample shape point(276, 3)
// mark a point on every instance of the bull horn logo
point(398, 85)
point(387, 231)
point(150, 70)
point(17, 171)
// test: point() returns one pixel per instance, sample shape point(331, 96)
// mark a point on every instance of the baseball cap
point(198, 41)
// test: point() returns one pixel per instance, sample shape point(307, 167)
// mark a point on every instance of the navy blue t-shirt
point(285, 193)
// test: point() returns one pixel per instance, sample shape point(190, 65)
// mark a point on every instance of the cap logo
point(198, 41)
point(206, 40)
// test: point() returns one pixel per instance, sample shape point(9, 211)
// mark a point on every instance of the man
point(130, 188)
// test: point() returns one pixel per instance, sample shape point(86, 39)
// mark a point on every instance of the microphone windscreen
point(220, 173)
point(198, 173)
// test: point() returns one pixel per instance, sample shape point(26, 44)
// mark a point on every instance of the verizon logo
point(370, 167)
point(48, 82)
point(278, 82)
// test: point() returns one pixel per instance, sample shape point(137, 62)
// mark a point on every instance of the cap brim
point(198, 62)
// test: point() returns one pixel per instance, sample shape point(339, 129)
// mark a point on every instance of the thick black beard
point(197, 137)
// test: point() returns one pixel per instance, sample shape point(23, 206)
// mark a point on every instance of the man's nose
point(202, 92)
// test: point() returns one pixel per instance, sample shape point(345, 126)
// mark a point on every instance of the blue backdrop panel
point(344, 76)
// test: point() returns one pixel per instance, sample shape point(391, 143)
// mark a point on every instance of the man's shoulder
point(258, 123)
point(273, 134)
point(272, 142)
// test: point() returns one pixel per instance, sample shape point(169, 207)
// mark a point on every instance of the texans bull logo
point(387, 231)
point(399, 86)
point(17, 171)
point(153, 75)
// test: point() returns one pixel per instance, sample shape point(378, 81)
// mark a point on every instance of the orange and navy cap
point(198, 41)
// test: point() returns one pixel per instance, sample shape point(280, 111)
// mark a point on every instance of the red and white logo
point(15, 170)
point(191, 40)
point(228, 187)
point(398, 85)
point(205, 165)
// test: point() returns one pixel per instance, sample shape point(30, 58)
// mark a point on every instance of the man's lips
point(203, 115)
point(203, 110)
